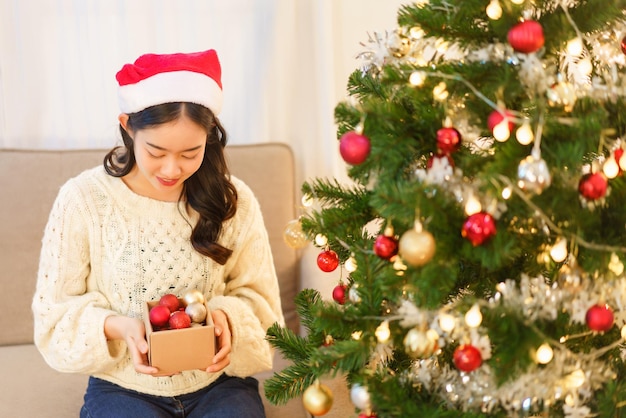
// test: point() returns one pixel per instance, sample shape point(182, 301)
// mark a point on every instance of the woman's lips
point(166, 182)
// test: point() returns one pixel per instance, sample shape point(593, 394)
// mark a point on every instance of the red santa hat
point(165, 78)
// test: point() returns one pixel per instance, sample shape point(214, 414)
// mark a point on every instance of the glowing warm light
point(575, 47)
point(446, 322)
point(473, 317)
point(417, 78)
point(494, 10)
point(382, 332)
point(356, 335)
point(506, 193)
point(544, 354)
point(623, 332)
point(610, 168)
point(517, 1)
point(350, 265)
point(472, 206)
point(440, 92)
point(321, 240)
point(525, 134)
point(558, 252)
point(501, 131)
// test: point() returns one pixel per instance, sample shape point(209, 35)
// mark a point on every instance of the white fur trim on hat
point(169, 87)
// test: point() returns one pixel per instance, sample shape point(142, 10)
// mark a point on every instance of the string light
point(610, 167)
point(501, 131)
point(472, 206)
point(544, 354)
point(517, 1)
point(506, 193)
point(440, 92)
point(447, 322)
point(321, 240)
point(524, 134)
point(350, 265)
point(473, 317)
point(382, 332)
point(417, 78)
point(494, 10)
point(575, 47)
point(558, 252)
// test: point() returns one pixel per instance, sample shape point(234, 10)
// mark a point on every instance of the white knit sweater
point(107, 250)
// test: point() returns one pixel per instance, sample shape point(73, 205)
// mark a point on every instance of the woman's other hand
point(223, 334)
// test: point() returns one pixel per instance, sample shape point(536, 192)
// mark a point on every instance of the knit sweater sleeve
point(69, 319)
point(251, 297)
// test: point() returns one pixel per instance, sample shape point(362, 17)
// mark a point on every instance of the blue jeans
point(227, 397)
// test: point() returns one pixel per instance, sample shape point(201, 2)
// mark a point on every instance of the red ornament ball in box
point(170, 301)
point(479, 228)
point(599, 318)
point(496, 117)
point(385, 246)
point(593, 186)
point(328, 261)
point(354, 148)
point(526, 36)
point(179, 320)
point(467, 358)
point(448, 140)
point(339, 293)
point(159, 315)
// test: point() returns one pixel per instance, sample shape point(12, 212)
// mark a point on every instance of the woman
point(161, 216)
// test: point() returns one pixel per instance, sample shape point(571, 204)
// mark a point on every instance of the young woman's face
point(166, 156)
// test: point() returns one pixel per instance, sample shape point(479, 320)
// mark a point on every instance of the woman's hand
point(133, 332)
point(223, 334)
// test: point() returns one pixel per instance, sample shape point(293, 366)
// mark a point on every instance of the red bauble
point(467, 358)
point(496, 117)
point(385, 246)
point(599, 318)
point(478, 228)
point(432, 159)
point(624, 45)
point(448, 140)
point(179, 320)
point(159, 315)
point(170, 301)
point(339, 293)
point(526, 36)
point(618, 156)
point(354, 148)
point(328, 261)
point(593, 186)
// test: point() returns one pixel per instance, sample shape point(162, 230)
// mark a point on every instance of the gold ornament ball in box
point(197, 312)
point(193, 296)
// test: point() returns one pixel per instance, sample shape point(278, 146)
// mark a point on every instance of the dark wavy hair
point(208, 191)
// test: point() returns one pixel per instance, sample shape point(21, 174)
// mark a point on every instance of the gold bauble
point(317, 399)
point(294, 236)
point(196, 311)
point(421, 344)
point(416, 247)
point(193, 296)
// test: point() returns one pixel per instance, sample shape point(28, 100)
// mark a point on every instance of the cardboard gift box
point(175, 350)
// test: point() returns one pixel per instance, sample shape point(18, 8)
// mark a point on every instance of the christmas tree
point(479, 251)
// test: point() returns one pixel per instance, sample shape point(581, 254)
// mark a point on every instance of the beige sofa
point(29, 182)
